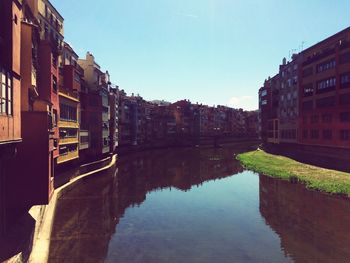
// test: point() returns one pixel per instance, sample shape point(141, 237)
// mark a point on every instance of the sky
point(215, 52)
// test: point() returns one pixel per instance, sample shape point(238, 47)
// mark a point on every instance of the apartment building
point(39, 107)
point(251, 124)
point(98, 109)
point(288, 108)
point(10, 120)
point(268, 109)
point(114, 117)
point(84, 133)
point(325, 93)
point(69, 89)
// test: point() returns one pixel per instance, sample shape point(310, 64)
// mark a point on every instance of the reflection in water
point(86, 216)
point(85, 219)
point(149, 209)
point(313, 227)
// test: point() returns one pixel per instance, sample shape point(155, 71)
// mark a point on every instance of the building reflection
point(86, 216)
point(313, 227)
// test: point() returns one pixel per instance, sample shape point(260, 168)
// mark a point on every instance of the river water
point(197, 205)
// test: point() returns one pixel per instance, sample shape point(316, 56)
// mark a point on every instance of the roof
point(58, 13)
point(336, 35)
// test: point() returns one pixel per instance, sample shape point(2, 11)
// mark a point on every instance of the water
point(197, 205)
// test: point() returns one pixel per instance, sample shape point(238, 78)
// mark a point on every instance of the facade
point(39, 107)
point(288, 108)
point(306, 107)
point(69, 89)
point(268, 109)
point(98, 109)
point(131, 120)
point(251, 124)
point(84, 133)
point(114, 118)
point(10, 121)
point(325, 94)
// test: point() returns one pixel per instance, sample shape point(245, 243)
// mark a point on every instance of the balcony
point(69, 140)
point(71, 95)
point(68, 124)
point(69, 156)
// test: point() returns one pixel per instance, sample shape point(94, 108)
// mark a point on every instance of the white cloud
point(244, 102)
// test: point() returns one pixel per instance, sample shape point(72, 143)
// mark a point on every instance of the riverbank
point(326, 180)
point(202, 143)
point(29, 240)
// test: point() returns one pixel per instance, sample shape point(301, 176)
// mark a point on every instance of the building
point(69, 89)
point(251, 124)
point(37, 155)
point(114, 117)
point(98, 109)
point(127, 121)
point(268, 109)
point(325, 93)
point(84, 133)
point(10, 119)
point(132, 120)
point(288, 108)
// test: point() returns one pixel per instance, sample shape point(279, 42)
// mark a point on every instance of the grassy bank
point(313, 177)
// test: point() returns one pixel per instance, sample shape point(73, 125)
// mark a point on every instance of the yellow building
point(68, 124)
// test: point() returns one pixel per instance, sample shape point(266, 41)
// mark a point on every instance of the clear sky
point(208, 51)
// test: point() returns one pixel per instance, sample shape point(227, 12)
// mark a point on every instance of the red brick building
point(325, 92)
point(268, 110)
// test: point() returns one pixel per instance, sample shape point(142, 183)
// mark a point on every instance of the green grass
point(313, 177)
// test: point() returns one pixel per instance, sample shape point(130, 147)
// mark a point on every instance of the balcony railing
point(68, 157)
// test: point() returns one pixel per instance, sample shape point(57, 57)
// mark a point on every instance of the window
point(263, 92)
point(327, 134)
point(54, 121)
point(54, 83)
point(326, 65)
point(68, 133)
point(264, 102)
point(345, 80)
point(325, 102)
point(5, 93)
point(344, 135)
point(54, 60)
point(344, 117)
point(308, 89)
point(295, 80)
point(314, 134)
point(68, 113)
point(64, 150)
point(76, 77)
point(344, 99)
point(326, 118)
point(326, 85)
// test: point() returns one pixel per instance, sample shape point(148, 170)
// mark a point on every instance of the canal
point(196, 205)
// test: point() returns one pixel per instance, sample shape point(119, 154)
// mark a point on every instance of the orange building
point(34, 178)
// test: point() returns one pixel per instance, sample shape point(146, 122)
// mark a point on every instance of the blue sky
point(209, 51)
